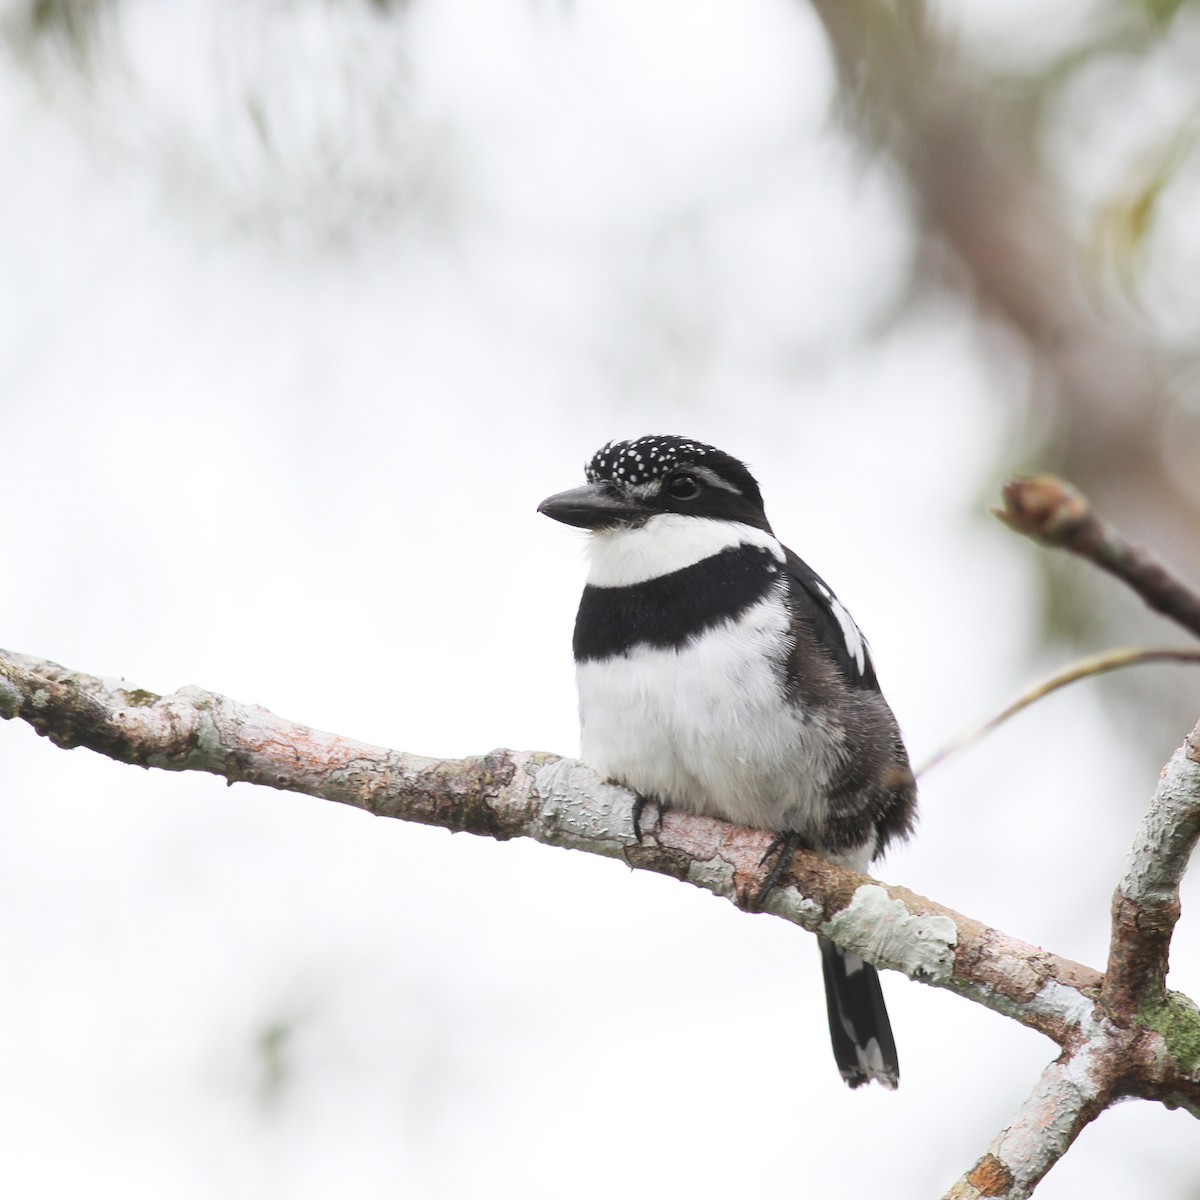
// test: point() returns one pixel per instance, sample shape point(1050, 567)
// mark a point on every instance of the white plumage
point(706, 726)
point(668, 542)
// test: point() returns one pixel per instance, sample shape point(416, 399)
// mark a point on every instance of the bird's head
point(631, 482)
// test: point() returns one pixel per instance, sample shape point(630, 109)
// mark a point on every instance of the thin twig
point(1054, 513)
point(1094, 664)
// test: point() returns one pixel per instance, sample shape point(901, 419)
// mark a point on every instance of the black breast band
point(668, 611)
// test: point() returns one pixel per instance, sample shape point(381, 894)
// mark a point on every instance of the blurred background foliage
point(1050, 161)
point(1060, 170)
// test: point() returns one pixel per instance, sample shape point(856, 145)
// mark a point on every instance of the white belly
point(708, 729)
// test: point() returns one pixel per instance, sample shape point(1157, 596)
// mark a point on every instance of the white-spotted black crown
point(655, 455)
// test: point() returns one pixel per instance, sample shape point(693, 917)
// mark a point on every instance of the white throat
point(665, 543)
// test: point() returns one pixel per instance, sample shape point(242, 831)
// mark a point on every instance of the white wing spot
point(856, 645)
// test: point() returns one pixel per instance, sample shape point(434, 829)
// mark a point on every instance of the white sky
point(277, 424)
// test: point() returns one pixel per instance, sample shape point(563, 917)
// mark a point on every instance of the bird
point(718, 674)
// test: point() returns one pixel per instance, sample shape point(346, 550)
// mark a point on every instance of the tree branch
point(1152, 1052)
point(1054, 513)
point(508, 794)
point(1076, 1088)
point(1146, 903)
point(1071, 1093)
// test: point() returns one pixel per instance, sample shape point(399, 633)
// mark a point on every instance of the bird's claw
point(639, 806)
point(783, 847)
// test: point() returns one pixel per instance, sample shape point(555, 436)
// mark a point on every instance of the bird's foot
point(639, 806)
point(782, 848)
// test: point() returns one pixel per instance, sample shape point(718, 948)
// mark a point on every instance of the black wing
point(813, 600)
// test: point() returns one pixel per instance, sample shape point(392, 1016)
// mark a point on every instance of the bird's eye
point(683, 487)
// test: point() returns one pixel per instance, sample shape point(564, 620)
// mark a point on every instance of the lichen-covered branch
point(1146, 902)
point(1056, 514)
point(1071, 1093)
point(505, 794)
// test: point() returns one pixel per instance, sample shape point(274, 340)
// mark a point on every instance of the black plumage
point(672, 609)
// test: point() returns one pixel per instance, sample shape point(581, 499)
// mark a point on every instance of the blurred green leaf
point(74, 25)
point(274, 1052)
point(1124, 224)
point(1160, 12)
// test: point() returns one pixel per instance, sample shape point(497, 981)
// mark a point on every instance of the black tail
point(858, 1020)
